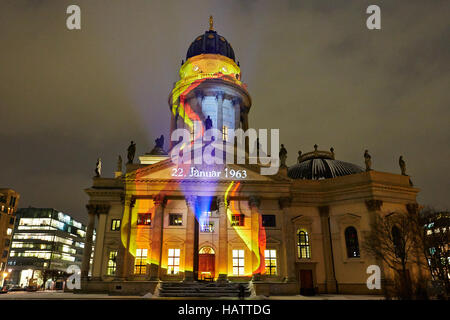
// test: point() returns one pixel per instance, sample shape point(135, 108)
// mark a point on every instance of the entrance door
point(206, 264)
point(306, 283)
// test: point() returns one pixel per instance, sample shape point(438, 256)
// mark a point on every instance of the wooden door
point(306, 283)
point(206, 265)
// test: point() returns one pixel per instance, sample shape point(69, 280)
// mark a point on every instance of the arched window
point(351, 242)
point(206, 250)
point(397, 241)
point(304, 249)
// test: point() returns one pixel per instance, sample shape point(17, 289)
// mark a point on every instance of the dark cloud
point(313, 70)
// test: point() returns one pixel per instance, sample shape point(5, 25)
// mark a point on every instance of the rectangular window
point(207, 226)
point(268, 220)
point(144, 219)
point(270, 258)
point(175, 219)
point(140, 261)
point(237, 220)
point(173, 263)
point(112, 263)
point(5, 254)
point(8, 231)
point(7, 242)
point(224, 133)
point(115, 224)
point(11, 220)
point(238, 262)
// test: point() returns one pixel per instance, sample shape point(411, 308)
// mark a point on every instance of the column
point(88, 244)
point(124, 257)
point(99, 244)
point(374, 208)
point(255, 224)
point(157, 237)
point(173, 126)
point(189, 253)
point(223, 239)
point(289, 249)
point(219, 99)
point(237, 114)
point(245, 120)
point(331, 283)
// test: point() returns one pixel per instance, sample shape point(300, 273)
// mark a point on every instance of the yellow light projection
point(139, 237)
point(195, 71)
point(255, 242)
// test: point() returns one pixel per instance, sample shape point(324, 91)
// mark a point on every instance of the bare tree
point(392, 240)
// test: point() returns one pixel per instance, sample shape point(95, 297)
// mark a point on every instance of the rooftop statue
point(98, 168)
point(208, 123)
point(283, 156)
point(368, 160)
point(131, 152)
point(119, 164)
point(402, 165)
point(299, 156)
point(159, 142)
point(159, 147)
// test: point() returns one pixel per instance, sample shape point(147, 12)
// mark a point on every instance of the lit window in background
point(112, 263)
point(9, 231)
point(304, 249)
point(238, 262)
point(175, 219)
point(270, 258)
point(173, 263)
point(115, 224)
point(140, 264)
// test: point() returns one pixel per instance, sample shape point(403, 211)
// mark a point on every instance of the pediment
point(174, 240)
point(272, 240)
point(236, 240)
point(302, 219)
point(348, 218)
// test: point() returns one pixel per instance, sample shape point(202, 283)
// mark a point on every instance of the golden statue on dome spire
point(211, 23)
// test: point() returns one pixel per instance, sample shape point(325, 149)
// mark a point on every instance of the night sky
point(313, 70)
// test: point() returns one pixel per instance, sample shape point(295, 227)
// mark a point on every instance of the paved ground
point(44, 295)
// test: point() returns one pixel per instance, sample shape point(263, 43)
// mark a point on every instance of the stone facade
point(324, 209)
point(286, 236)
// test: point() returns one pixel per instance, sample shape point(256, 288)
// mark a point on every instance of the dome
point(318, 165)
point(210, 42)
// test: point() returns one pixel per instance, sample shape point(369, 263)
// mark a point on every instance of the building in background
point(45, 243)
point(9, 200)
point(437, 245)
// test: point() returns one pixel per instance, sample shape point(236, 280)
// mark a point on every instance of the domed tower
point(210, 85)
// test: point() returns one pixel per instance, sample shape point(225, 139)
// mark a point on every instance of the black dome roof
point(318, 165)
point(210, 42)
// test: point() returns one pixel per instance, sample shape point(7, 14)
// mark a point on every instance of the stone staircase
point(202, 289)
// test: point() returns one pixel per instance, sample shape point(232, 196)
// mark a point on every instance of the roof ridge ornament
point(211, 23)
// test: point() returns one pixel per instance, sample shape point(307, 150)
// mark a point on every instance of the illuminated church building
point(298, 231)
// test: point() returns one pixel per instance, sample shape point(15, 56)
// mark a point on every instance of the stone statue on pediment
point(283, 156)
point(119, 164)
point(368, 160)
point(402, 165)
point(131, 152)
point(159, 142)
point(98, 168)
